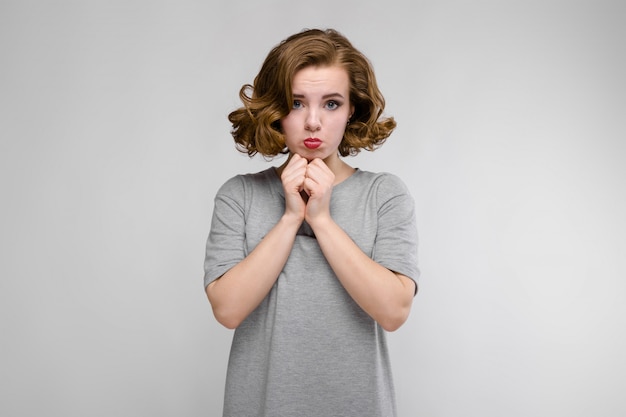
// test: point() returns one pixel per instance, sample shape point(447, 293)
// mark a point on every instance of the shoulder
point(240, 183)
point(385, 184)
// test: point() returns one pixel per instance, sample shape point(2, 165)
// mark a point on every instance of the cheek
point(340, 125)
point(289, 128)
point(287, 122)
point(284, 125)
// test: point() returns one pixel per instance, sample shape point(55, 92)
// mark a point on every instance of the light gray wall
point(114, 140)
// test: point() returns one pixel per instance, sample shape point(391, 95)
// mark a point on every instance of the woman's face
point(320, 112)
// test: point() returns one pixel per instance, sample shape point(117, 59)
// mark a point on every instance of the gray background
point(114, 140)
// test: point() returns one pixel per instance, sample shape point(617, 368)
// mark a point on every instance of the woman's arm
point(384, 295)
point(241, 289)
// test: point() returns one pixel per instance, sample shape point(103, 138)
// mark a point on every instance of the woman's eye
point(332, 105)
point(296, 104)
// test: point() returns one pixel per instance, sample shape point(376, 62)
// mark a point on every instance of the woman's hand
point(292, 178)
point(318, 185)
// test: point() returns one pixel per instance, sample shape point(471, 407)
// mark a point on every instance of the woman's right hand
point(243, 287)
point(292, 178)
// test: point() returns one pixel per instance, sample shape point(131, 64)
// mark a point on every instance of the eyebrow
point(325, 96)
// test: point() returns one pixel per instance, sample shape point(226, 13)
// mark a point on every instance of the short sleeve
point(396, 236)
point(225, 245)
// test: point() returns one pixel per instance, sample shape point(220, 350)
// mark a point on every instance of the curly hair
point(256, 126)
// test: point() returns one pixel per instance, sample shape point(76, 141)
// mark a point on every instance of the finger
point(294, 171)
point(318, 171)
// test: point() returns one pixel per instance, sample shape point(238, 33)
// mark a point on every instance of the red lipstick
point(312, 143)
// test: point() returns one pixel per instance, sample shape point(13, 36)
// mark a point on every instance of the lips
point(312, 143)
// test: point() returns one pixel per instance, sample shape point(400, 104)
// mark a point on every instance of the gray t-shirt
point(308, 349)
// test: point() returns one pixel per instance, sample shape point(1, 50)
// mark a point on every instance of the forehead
point(318, 78)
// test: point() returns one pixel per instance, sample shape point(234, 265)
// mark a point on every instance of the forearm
point(242, 288)
point(383, 294)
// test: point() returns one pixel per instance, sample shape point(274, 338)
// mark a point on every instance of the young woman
point(312, 261)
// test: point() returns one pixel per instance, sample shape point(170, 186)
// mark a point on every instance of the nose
point(312, 122)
